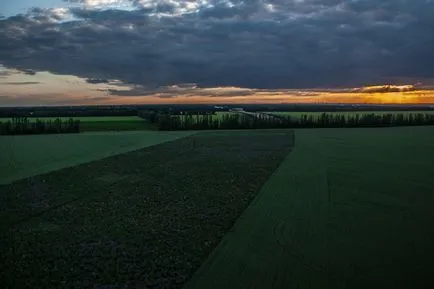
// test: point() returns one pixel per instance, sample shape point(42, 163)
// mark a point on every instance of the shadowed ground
point(147, 218)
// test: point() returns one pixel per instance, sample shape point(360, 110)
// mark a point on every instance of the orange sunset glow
point(290, 96)
point(44, 88)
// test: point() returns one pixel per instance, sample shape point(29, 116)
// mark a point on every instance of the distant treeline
point(21, 125)
point(269, 121)
point(67, 111)
point(132, 110)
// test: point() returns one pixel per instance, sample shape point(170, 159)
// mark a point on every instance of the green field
point(298, 114)
point(346, 209)
point(25, 156)
point(103, 123)
point(316, 208)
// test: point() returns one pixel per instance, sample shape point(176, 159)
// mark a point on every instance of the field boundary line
point(107, 155)
point(84, 196)
point(280, 238)
point(263, 193)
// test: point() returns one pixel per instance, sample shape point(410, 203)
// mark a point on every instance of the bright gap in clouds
point(60, 9)
point(13, 7)
point(108, 4)
point(180, 6)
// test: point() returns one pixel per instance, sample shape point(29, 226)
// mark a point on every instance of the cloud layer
point(267, 44)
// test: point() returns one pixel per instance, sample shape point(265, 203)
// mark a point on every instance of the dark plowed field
point(145, 219)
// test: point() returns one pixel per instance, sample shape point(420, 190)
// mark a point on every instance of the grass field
point(343, 208)
point(104, 123)
point(346, 209)
point(130, 219)
point(25, 156)
point(345, 113)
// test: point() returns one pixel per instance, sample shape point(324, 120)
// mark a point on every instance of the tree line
point(167, 121)
point(79, 111)
point(22, 125)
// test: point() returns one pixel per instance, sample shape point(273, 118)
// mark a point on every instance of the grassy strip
point(347, 209)
point(25, 156)
point(146, 218)
point(116, 125)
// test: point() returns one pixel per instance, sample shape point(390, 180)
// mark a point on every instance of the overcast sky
point(93, 51)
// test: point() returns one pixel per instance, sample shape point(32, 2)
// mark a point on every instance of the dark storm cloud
point(193, 90)
point(97, 80)
point(131, 92)
point(186, 89)
point(167, 92)
point(20, 83)
point(5, 73)
point(256, 44)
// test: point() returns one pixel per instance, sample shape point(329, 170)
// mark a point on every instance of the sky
point(70, 52)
